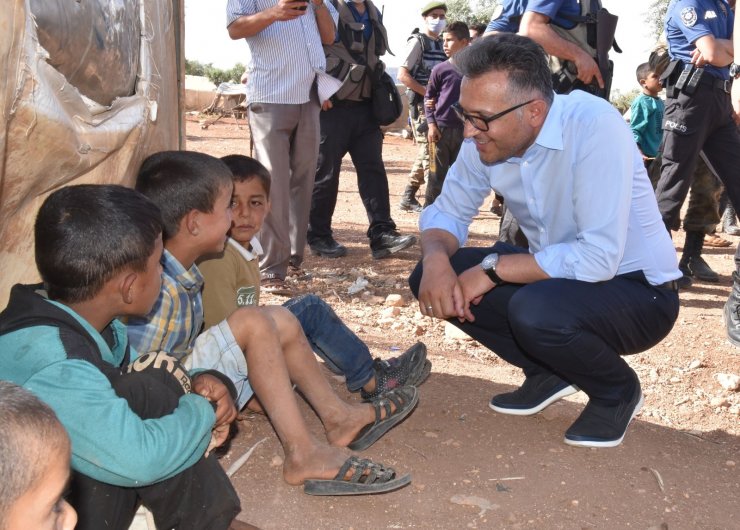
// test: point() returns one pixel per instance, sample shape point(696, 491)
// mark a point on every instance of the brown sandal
point(713, 240)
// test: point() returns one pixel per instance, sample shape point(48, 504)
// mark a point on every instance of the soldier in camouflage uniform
point(424, 51)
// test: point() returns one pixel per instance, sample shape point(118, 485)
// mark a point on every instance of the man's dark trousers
point(350, 127)
point(199, 498)
point(575, 329)
point(692, 124)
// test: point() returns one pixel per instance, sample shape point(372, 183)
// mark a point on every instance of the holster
point(669, 77)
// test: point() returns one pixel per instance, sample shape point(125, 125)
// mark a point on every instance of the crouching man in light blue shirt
point(598, 281)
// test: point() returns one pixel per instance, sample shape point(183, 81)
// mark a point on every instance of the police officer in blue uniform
point(699, 116)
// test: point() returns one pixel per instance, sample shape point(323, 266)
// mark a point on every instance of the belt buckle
point(727, 85)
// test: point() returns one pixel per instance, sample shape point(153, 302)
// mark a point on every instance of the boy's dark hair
point(643, 71)
point(520, 57)
point(181, 181)
point(479, 28)
point(245, 168)
point(86, 234)
point(459, 30)
point(30, 431)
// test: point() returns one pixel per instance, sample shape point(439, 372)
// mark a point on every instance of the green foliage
point(471, 11)
point(215, 75)
point(622, 102)
point(655, 16)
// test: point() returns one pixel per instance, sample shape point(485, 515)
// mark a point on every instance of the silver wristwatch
point(489, 267)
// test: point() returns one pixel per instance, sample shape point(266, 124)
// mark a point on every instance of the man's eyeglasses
point(481, 122)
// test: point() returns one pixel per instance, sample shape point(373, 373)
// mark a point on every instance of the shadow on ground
point(475, 468)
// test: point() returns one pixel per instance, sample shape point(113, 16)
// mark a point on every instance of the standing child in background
point(646, 114)
point(232, 281)
point(34, 464)
point(445, 126)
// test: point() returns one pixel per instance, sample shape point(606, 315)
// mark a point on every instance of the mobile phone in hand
point(301, 7)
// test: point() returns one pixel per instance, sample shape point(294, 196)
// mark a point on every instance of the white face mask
point(436, 25)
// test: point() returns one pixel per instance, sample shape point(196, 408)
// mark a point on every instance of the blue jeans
point(342, 350)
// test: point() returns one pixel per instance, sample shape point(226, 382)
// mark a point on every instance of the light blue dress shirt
point(580, 193)
point(285, 56)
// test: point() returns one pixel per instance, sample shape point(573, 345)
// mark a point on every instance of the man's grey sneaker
point(602, 426)
point(389, 243)
point(410, 368)
point(536, 393)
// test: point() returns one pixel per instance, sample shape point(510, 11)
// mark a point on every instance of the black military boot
point(692, 264)
point(732, 311)
point(408, 201)
point(729, 221)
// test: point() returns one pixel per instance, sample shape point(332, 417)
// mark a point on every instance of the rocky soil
point(474, 468)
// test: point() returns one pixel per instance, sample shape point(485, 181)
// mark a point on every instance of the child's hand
point(433, 135)
point(215, 391)
point(219, 435)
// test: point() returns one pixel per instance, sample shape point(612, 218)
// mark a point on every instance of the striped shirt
point(285, 56)
point(176, 319)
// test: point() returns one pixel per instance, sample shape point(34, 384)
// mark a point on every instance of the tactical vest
point(594, 33)
point(353, 58)
point(432, 54)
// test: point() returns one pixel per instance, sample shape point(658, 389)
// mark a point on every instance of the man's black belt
point(671, 285)
point(722, 84)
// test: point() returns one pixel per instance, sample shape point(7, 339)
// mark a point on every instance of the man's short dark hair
point(459, 30)
point(86, 234)
point(478, 27)
point(181, 181)
point(520, 57)
point(245, 168)
point(643, 71)
point(30, 432)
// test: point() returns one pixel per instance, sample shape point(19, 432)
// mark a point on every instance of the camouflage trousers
point(702, 213)
point(420, 170)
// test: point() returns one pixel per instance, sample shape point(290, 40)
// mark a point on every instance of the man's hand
point(440, 294)
point(326, 105)
point(433, 135)
point(588, 69)
point(735, 95)
point(288, 9)
point(474, 283)
point(215, 391)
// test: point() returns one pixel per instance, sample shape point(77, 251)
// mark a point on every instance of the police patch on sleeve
point(688, 17)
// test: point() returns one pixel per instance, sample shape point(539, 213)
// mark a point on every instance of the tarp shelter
point(90, 89)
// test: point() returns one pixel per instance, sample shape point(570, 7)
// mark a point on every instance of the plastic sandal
point(367, 477)
point(404, 399)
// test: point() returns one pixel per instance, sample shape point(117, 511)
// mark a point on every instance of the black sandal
point(367, 477)
point(404, 399)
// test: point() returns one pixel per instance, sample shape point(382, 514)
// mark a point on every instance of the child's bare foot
point(365, 423)
point(317, 462)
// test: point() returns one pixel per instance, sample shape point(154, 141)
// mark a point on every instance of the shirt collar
point(255, 252)
point(551, 134)
point(191, 279)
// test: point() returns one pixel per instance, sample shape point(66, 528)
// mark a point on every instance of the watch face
point(489, 262)
point(734, 70)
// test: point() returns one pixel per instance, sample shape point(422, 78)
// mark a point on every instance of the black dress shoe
point(328, 248)
point(389, 243)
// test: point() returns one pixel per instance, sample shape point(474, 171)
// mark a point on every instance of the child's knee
point(248, 323)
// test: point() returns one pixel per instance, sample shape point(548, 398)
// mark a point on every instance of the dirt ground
point(474, 468)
